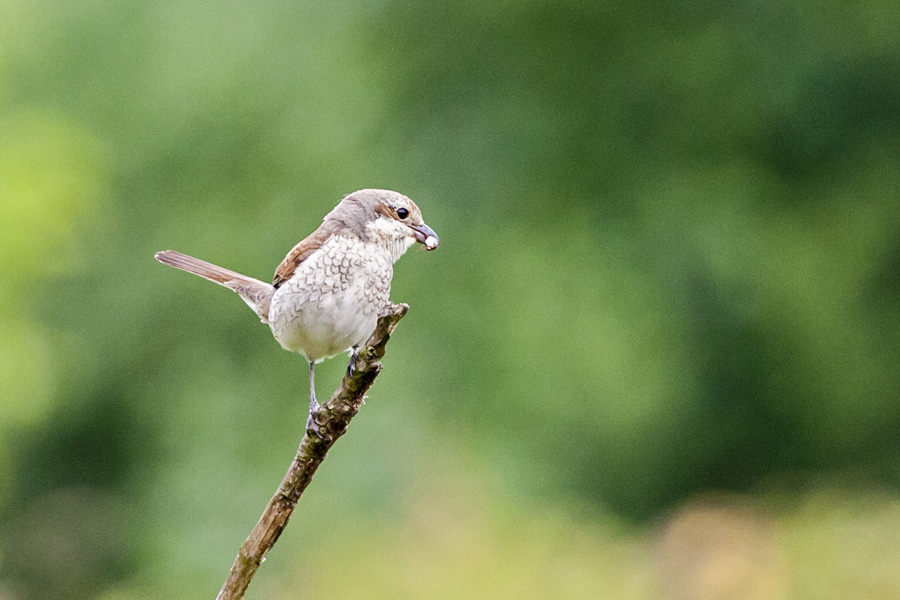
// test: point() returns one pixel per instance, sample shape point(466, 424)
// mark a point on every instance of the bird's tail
point(257, 294)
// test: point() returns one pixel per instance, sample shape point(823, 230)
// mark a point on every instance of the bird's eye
point(402, 213)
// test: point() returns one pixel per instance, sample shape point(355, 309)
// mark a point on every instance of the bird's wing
point(298, 254)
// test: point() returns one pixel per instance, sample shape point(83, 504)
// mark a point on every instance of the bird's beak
point(426, 235)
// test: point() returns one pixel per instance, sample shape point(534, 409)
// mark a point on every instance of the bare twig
point(333, 418)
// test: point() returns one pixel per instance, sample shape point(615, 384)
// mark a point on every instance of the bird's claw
point(353, 356)
point(313, 428)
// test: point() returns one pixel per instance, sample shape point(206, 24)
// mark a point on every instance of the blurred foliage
point(670, 268)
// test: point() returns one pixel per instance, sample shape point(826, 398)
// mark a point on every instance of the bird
point(328, 292)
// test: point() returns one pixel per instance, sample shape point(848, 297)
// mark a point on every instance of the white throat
point(395, 238)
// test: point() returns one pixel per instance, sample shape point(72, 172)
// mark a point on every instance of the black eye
point(402, 213)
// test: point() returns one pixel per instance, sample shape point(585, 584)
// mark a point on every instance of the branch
point(333, 417)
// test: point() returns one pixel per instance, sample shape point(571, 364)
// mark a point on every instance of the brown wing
point(298, 254)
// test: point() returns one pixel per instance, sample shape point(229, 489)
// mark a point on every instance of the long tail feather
point(257, 294)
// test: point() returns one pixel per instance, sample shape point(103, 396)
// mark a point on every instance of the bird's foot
point(313, 427)
point(353, 356)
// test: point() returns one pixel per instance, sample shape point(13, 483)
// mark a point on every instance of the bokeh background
point(657, 355)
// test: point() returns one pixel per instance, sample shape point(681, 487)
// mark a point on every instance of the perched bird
point(329, 290)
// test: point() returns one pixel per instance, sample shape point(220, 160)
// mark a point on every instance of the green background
point(656, 356)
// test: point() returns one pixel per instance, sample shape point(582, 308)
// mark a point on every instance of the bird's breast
point(332, 301)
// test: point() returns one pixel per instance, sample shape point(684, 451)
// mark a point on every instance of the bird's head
point(387, 218)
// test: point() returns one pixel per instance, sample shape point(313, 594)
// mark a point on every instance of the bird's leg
point(311, 424)
point(353, 356)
